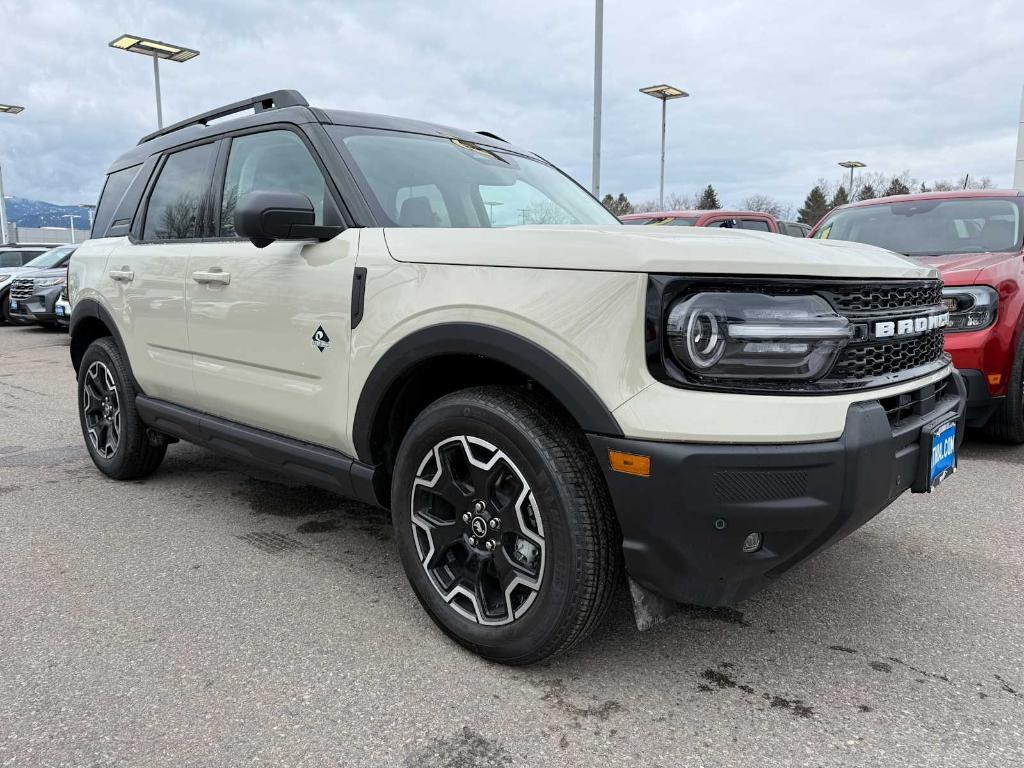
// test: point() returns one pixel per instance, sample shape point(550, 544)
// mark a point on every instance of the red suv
point(974, 238)
point(755, 220)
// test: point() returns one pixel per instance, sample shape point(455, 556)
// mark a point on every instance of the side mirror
point(264, 217)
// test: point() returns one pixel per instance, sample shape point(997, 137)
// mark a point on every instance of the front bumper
point(684, 525)
point(981, 404)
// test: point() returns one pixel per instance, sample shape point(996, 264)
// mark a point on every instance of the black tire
point(580, 562)
point(1007, 423)
point(5, 308)
point(132, 455)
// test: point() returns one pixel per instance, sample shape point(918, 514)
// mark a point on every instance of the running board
point(331, 470)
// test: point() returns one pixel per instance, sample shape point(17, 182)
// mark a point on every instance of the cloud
point(781, 92)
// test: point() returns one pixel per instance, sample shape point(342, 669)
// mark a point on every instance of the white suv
point(436, 322)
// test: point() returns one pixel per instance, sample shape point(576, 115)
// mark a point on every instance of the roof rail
point(272, 100)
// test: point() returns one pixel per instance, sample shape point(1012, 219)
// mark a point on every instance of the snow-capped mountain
point(36, 213)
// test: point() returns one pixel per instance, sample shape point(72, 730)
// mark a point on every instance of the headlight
point(971, 307)
point(755, 336)
point(4, 278)
point(46, 282)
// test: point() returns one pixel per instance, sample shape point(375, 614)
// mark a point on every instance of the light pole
point(71, 220)
point(156, 50)
point(598, 67)
point(89, 208)
point(851, 164)
point(7, 109)
point(664, 93)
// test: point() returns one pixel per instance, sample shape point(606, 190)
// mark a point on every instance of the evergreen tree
point(623, 204)
point(897, 187)
point(867, 192)
point(708, 199)
point(619, 206)
point(839, 198)
point(815, 206)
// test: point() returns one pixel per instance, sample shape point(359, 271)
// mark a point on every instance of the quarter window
point(176, 202)
point(273, 161)
point(113, 192)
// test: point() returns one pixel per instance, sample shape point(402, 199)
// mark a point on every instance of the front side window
point(176, 202)
point(931, 227)
point(758, 225)
point(680, 221)
point(273, 161)
point(414, 180)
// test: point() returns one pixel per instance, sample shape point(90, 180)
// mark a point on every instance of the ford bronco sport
point(437, 322)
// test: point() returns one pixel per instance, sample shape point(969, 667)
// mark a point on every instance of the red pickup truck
point(755, 220)
point(976, 240)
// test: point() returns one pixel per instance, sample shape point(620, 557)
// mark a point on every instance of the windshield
point(931, 227)
point(51, 258)
point(426, 181)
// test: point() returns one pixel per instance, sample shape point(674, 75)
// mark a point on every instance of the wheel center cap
point(479, 526)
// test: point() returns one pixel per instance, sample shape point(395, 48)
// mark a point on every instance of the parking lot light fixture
point(851, 164)
point(664, 93)
point(156, 50)
point(71, 221)
point(7, 109)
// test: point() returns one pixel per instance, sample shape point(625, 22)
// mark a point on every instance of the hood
point(649, 249)
point(13, 272)
point(965, 267)
point(38, 274)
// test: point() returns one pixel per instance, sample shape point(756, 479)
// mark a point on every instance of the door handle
point(122, 275)
point(214, 275)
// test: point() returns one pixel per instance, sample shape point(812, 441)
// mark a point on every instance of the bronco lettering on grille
point(909, 326)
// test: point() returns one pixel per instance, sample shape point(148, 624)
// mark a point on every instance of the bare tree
point(766, 204)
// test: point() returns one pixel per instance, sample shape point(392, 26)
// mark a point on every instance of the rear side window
point(759, 225)
point(113, 192)
point(175, 205)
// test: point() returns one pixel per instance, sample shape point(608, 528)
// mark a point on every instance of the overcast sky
point(781, 91)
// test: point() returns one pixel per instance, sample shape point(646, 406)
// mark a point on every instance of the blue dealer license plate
point(943, 459)
point(14, 305)
point(59, 310)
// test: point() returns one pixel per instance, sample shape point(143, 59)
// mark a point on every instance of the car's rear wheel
point(1007, 423)
point(504, 525)
point(115, 436)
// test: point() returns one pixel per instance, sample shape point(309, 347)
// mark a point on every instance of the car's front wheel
point(5, 308)
point(504, 525)
point(114, 434)
point(1007, 424)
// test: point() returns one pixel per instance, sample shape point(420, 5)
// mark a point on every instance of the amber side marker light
point(630, 463)
point(995, 378)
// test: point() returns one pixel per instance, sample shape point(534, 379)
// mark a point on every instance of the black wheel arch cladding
point(517, 352)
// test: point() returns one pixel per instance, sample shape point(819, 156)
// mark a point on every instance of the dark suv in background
point(48, 270)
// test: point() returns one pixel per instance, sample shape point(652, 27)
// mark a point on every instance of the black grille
point(874, 359)
point(881, 299)
point(23, 288)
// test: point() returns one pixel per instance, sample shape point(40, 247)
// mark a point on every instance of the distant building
point(44, 234)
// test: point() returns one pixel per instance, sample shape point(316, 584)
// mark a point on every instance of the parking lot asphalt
point(211, 615)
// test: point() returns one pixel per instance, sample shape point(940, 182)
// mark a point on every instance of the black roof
point(287, 106)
